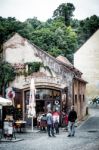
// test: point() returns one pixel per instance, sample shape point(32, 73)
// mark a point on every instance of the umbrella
point(31, 111)
point(5, 102)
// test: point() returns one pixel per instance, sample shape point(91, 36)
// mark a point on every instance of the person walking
point(72, 116)
point(56, 121)
point(50, 125)
point(66, 121)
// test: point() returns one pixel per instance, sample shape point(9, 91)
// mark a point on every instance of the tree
point(86, 28)
point(7, 28)
point(7, 74)
point(65, 11)
point(43, 38)
point(34, 23)
point(58, 35)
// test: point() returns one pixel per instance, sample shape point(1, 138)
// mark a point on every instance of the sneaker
point(69, 135)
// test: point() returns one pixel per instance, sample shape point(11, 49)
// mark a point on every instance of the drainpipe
point(61, 109)
point(73, 91)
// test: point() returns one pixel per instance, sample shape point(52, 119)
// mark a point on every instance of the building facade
point(87, 60)
point(58, 83)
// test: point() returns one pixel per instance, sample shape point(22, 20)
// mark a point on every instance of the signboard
point(8, 127)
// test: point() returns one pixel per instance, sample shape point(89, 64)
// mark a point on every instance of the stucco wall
point(19, 50)
point(80, 98)
point(86, 59)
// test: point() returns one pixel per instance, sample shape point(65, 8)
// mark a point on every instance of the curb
point(11, 140)
point(80, 123)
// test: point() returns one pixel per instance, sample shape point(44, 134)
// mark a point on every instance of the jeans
point(56, 126)
point(71, 128)
point(50, 130)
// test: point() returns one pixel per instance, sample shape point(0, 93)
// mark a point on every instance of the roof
point(64, 60)
point(69, 65)
point(80, 79)
point(15, 39)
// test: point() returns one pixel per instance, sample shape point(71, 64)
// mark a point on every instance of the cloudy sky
point(43, 9)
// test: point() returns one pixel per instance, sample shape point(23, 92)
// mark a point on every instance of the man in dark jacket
point(72, 116)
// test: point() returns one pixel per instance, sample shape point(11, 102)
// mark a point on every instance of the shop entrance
point(48, 105)
point(40, 106)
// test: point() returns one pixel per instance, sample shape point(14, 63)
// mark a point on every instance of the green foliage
point(7, 74)
point(64, 11)
point(55, 52)
point(86, 28)
point(46, 68)
point(56, 39)
point(33, 23)
point(33, 67)
point(60, 34)
point(8, 27)
point(43, 38)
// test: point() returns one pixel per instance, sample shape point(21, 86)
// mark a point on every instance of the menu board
point(8, 127)
point(0, 117)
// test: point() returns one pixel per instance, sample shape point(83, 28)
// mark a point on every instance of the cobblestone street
point(86, 138)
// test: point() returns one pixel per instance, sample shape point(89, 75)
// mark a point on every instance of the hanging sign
point(10, 94)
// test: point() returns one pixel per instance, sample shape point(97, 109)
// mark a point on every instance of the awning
point(5, 102)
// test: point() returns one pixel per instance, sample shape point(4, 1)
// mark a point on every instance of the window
point(75, 98)
point(43, 94)
point(83, 97)
point(80, 97)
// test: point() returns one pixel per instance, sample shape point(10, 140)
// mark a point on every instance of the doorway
point(48, 105)
point(40, 106)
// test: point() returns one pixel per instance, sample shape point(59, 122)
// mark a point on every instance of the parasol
point(31, 111)
point(5, 102)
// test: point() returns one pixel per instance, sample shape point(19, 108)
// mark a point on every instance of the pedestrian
point(50, 125)
point(72, 116)
point(63, 118)
point(38, 120)
point(43, 122)
point(66, 121)
point(56, 121)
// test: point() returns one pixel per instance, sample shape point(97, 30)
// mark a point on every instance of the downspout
point(73, 91)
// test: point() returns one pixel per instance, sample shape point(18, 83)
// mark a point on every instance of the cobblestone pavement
point(86, 138)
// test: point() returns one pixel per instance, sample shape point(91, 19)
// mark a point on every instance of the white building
point(86, 59)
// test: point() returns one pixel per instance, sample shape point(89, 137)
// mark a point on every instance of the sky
point(43, 9)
